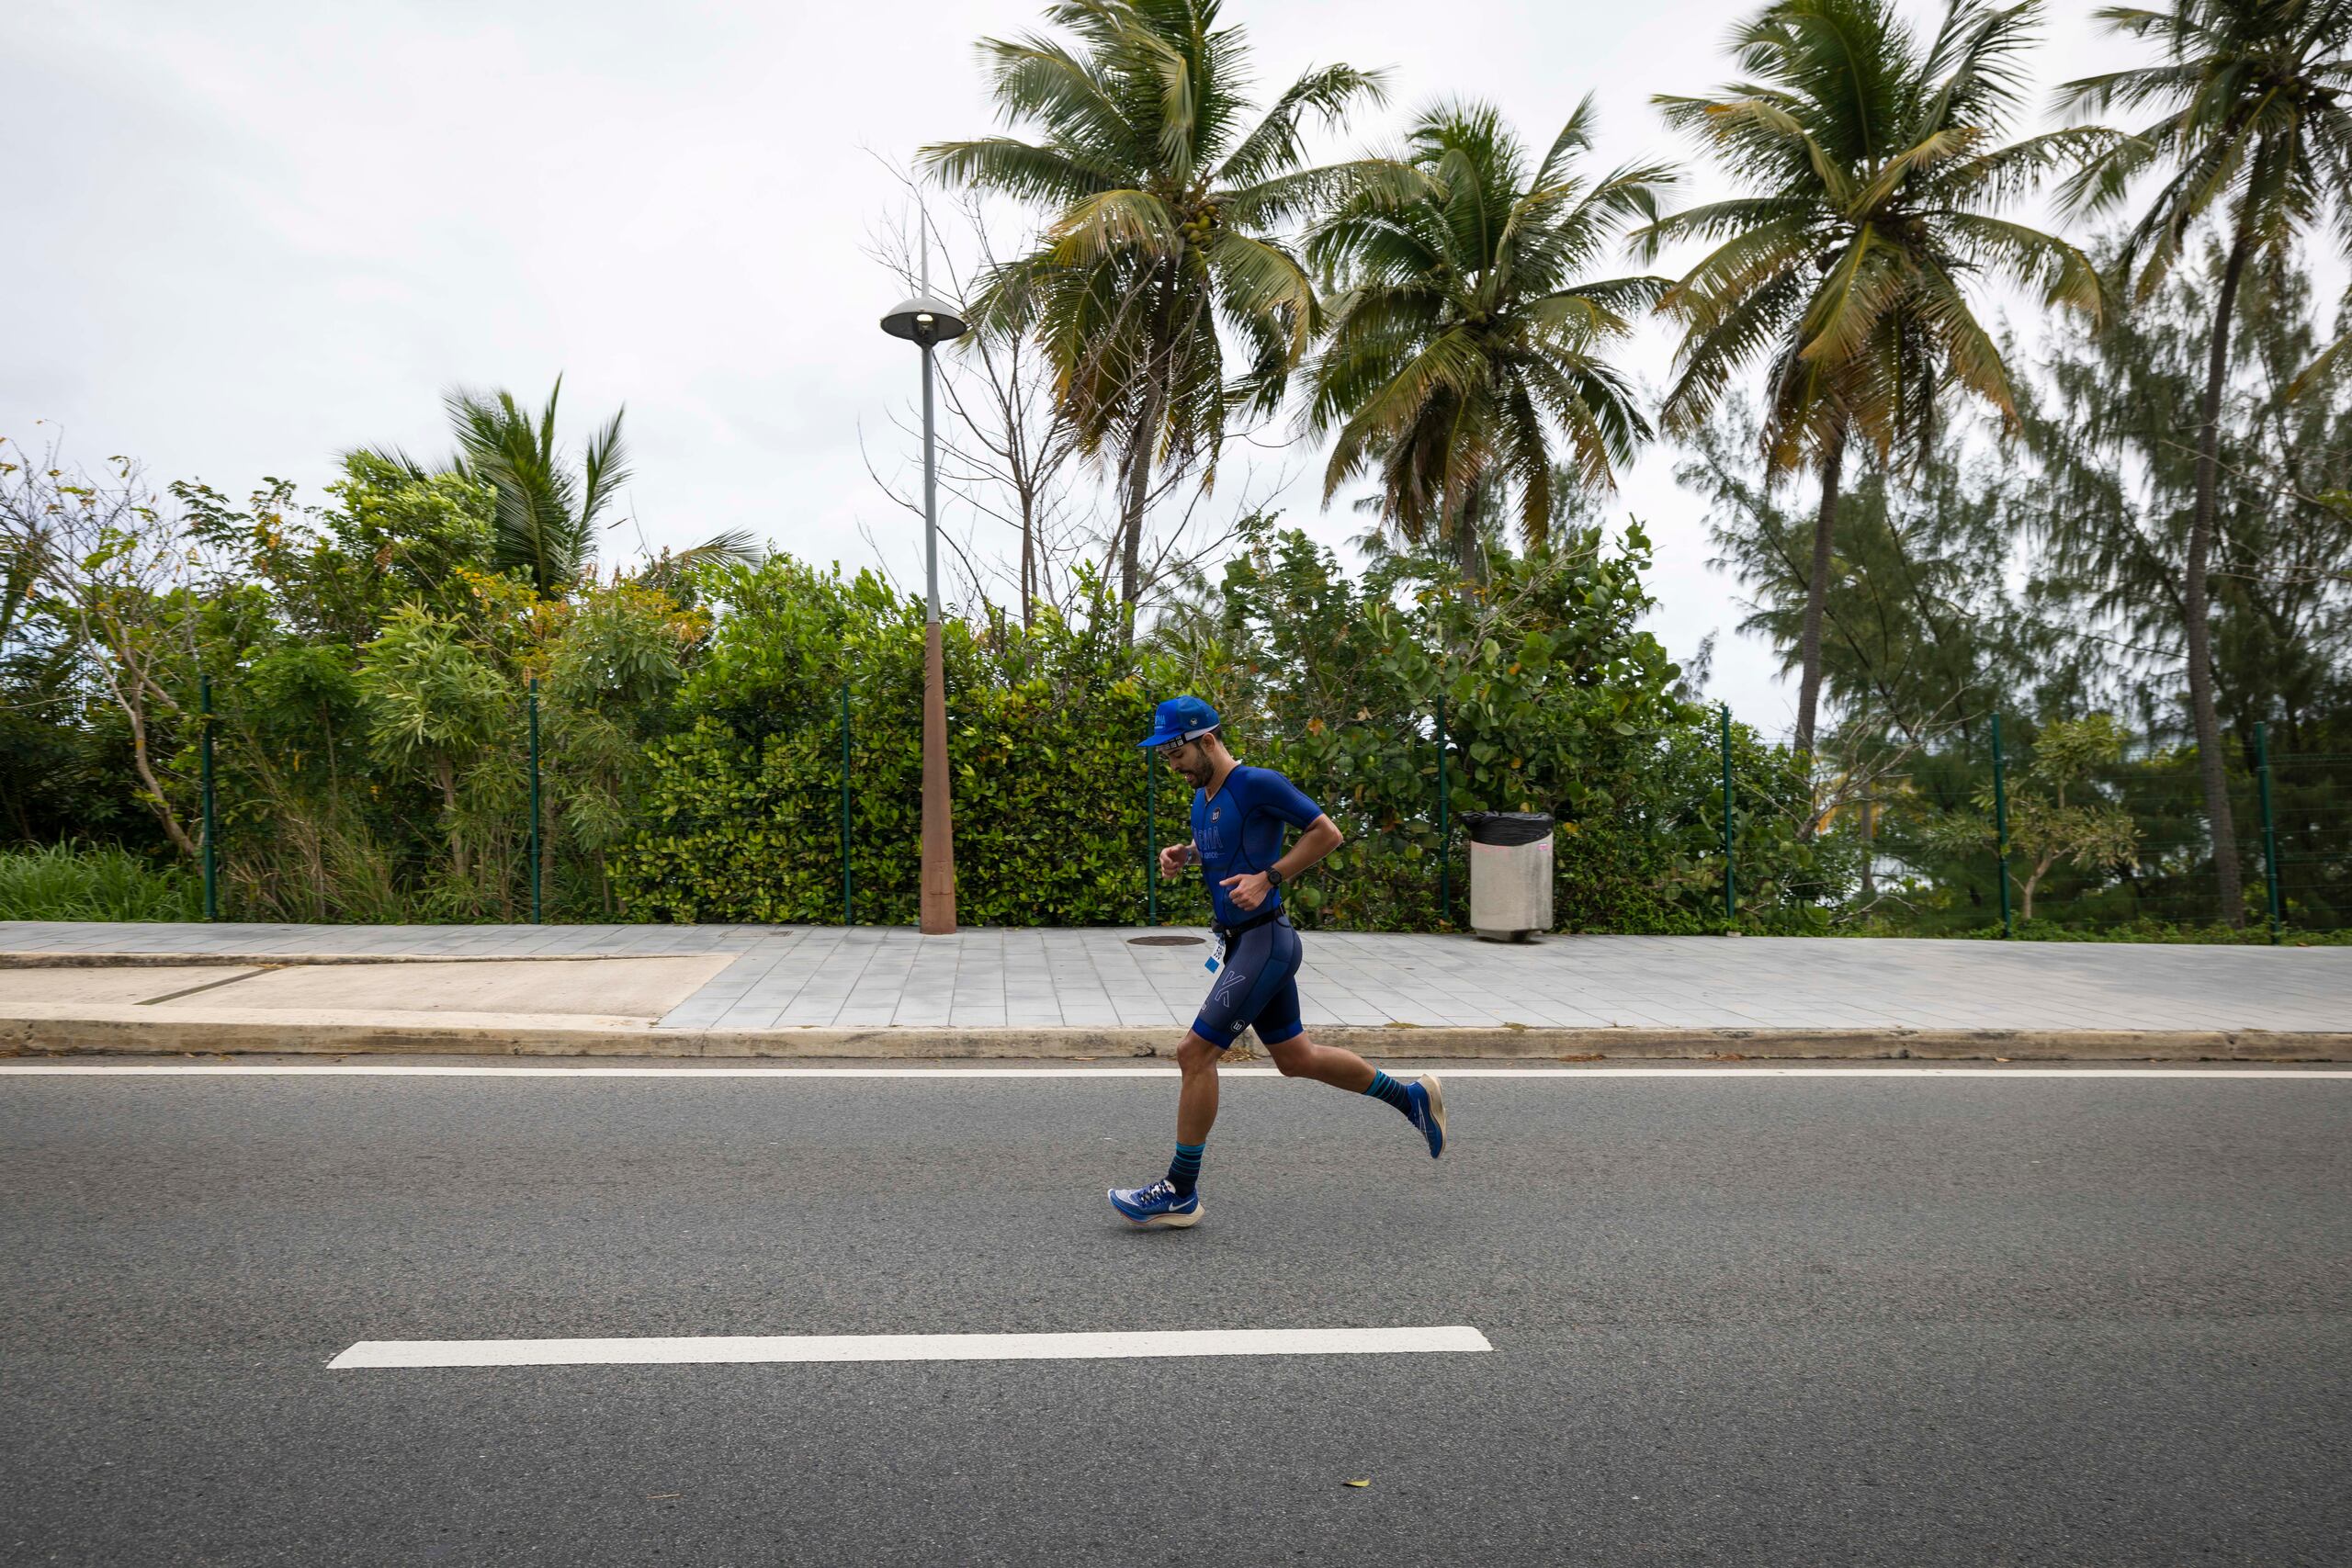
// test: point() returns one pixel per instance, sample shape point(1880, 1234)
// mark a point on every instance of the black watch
point(1274, 876)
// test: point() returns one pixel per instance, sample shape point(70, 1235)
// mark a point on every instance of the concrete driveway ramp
point(608, 987)
point(132, 985)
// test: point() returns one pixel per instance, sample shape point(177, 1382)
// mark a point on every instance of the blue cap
point(1180, 719)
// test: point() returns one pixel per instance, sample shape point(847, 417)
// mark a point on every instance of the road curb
point(291, 960)
point(225, 1032)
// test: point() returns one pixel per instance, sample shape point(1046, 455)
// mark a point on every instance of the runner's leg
point(1195, 1108)
point(1175, 1201)
point(1240, 982)
point(1285, 1038)
point(1299, 1057)
point(1423, 1102)
point(1251, 972)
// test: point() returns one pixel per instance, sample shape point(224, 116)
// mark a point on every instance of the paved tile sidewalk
point(870, 977)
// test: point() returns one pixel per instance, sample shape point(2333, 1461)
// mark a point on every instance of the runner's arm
point(1250, 888)
point(1321, 837)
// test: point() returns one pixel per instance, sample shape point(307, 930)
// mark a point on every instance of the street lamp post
point(926, 322)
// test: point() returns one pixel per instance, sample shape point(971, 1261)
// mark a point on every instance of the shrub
point(85, 882)
point(1555, 701)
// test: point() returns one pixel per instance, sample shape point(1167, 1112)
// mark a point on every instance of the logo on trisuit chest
point(1213, 837)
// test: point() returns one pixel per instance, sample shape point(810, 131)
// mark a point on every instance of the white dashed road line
point(741, 1347)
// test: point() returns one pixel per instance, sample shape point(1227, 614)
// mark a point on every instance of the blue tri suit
point(1238, 831)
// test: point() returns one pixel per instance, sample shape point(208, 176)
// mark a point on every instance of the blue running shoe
point(1429, 1111)
point(1156, 1207)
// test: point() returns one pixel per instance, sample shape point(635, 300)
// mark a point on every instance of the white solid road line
point(435, 1071)
point(738, 1347)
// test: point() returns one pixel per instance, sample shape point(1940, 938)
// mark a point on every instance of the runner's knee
point(1197, 1056)
point(1293, 1058)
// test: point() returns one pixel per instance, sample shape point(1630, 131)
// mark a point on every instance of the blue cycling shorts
point(1257, 988)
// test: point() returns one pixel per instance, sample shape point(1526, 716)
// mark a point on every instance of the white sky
point(253, 234)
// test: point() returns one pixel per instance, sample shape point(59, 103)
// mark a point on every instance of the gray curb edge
point(21, 1036)
point(286, 960)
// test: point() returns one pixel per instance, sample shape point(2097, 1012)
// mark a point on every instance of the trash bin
point(1510, 873)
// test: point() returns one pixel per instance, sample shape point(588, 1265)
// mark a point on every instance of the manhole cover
point(1163, 942)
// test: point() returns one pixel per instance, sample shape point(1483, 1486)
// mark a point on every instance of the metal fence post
point(2001, 825)
point(211, 816)
point(2269, 828)
point(1444, 841)
point(847, 903)
point(535, 845)
point(1151, 838)
point(1731, 899)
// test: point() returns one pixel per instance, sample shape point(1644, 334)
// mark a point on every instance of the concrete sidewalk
point(718, 990)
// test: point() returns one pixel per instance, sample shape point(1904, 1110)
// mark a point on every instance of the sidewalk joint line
point(208, 986)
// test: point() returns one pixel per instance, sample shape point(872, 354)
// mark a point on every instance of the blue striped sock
point(1388, 1088)
point(1184, 1172)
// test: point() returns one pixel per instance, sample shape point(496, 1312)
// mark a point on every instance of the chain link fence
point(2292, 810)
point(2290, 825)
point(2309, 834)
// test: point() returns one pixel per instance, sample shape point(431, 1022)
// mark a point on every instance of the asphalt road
point(1900, 1320)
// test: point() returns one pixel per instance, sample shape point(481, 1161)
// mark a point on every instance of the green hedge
point(743, 811)
point(1555, 700)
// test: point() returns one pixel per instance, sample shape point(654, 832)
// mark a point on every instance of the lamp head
point(925, 320)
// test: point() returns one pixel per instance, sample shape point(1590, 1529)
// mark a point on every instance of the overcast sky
point(250, 235)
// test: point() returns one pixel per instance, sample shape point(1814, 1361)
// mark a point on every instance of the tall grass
point(85, 882)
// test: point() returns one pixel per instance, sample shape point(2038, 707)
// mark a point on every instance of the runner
point(1238, 818)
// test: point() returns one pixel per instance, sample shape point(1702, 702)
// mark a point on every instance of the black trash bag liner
point(1508, 826)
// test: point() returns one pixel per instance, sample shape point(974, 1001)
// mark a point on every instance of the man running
point(1237, 818)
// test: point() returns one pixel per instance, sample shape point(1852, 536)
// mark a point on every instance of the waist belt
point(1251, 924)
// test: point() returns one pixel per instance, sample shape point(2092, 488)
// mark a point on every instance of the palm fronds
point(1162, 188)
point(1872, 178)
point(1465, 337)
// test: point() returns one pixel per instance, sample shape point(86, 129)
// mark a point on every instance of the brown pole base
point(938, 910)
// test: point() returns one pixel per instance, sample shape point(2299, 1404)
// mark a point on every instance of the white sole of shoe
point(1162, 1222)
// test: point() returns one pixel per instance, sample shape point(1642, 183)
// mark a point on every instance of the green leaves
point(1868, 164)
point(1553, 699)
point(1560, 702)
point(546, 514)
point(430, 698)
point(1160, 196)
point(2250, 117)
point(1050, 792)
point(1464, 331)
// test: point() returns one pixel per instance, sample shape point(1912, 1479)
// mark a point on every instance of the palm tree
point(1163, 202)
point(546, 515)
point(1464, 331)
point(2251, 128)
point(1872, 190)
